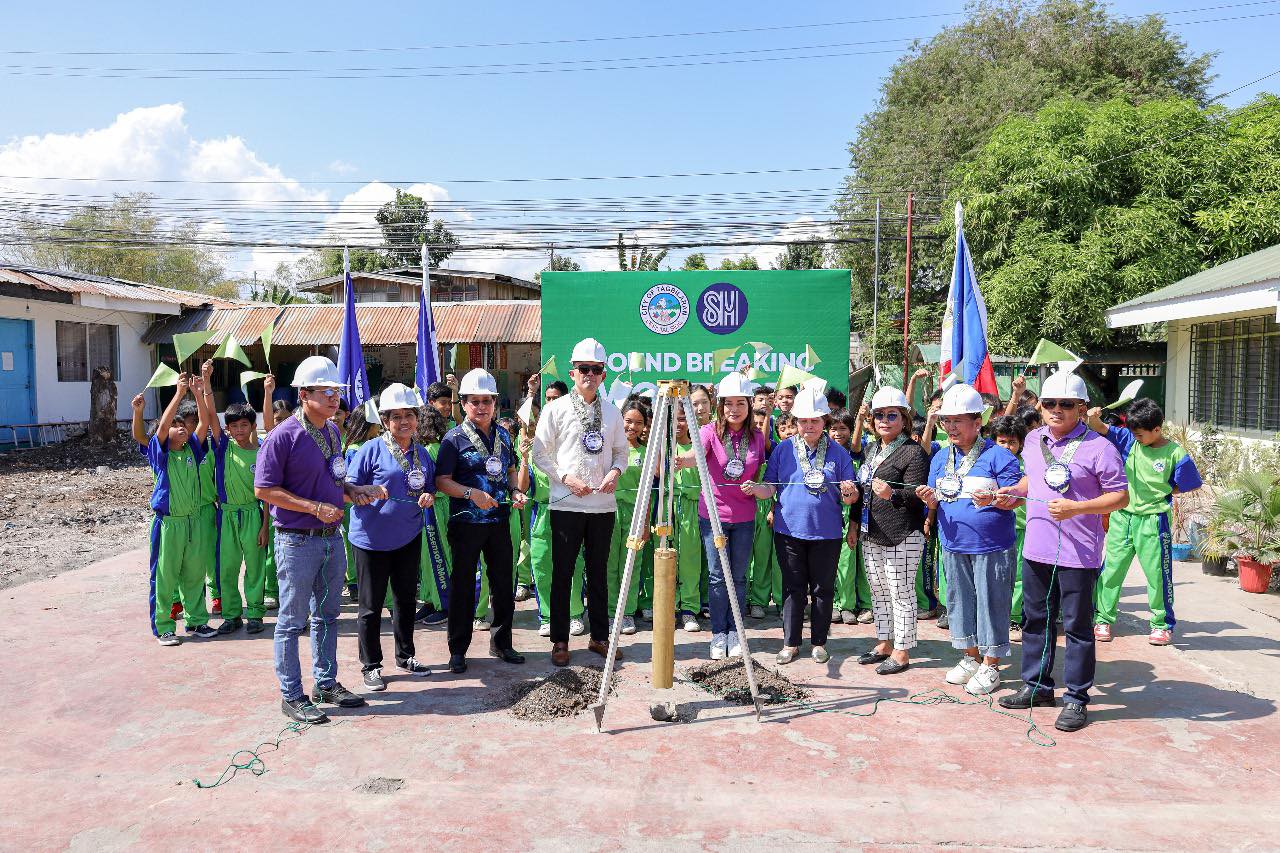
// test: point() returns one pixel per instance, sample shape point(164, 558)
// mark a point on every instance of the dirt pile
point(728, 680)
point(564, 693)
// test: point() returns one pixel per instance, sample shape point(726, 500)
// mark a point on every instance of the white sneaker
point(734, 647)
point(691, 623)
point(646, 615)
point(628, 625)
point(757, 612)
point(835, 617)
point(719, 647)
point(544, 630)
point(168, 638)
point(963, 671)
point(576, 628)
point(986, 679)
point(480, 625)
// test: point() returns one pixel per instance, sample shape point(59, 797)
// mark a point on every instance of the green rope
point(255, 764)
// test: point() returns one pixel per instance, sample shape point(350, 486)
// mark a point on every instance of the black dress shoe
point(336, 694)
point(302, 711)
point(1072, 718)
point(1022, 700)
point(505, 655)
point(892, 667)
point(457, 664)
point(869, 658)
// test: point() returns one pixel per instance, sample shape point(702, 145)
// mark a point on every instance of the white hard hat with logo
point(398, 396)
point(810, 403)
point(889, 397)
point(735, 385)
point(588, 350)
point(478, 381)
point(961, 400)
point(316, 371)
point(1064, 385)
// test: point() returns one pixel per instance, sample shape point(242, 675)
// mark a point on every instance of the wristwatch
point(466, 496)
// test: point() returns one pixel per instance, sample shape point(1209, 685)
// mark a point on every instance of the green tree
point(802, 256)
point(696, 261)
point(746, 262)
point(1083, 206)
point(125, 239)
point(559, 263)
point(940, 102)
point(640, 257)
point(406, 224)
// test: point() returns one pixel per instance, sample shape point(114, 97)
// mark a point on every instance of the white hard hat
point(1064, 385)
point(961, 400)
point(810, 403)
point(316, 371)
point(478, 381)
point(398, 396)
point(735, 385)
point(889, 397)
point(588, 350)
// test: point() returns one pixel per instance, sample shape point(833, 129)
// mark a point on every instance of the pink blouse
point(731, 503)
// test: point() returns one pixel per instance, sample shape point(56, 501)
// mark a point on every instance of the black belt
point(310, 531)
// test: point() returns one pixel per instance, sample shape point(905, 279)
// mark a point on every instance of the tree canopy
point(406, 224)
point(940, 103)
point(1083, 206)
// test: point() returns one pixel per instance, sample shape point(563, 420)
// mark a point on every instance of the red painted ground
point(104, 730)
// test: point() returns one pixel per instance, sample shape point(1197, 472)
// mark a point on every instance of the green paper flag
point(550, 368)
point(811, 357)
point(267, 334)
point(186, 344)
point(760, 347)
point(247, 376)
point(720, 356)
point(231, 348)
point(792, 375)
point(163, 377)
point(987, 412)
point(1047, 352)
point(635, 361)
point(1128, 395)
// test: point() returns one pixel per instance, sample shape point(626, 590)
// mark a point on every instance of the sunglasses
point(596, 369)
point(324, 392)
point(887, 417)
point(1059, 404)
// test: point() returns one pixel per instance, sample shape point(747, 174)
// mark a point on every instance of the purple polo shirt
point(1096, 468)
point(731, 503)
point(290, 458)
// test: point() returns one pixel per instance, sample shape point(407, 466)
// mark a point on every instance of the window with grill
point(82, 347)
point(1233, 364)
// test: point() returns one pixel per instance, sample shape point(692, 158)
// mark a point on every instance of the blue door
point(17, 386)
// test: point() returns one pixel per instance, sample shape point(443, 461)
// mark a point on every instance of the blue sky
point(337, 135)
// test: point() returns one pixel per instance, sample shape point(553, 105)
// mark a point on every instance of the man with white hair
point(582, 448)
point(1074, 477)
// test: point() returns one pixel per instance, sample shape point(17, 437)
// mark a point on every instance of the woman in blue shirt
point(814, 476)
point(386, 535)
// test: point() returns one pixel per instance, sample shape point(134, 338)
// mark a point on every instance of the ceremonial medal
point(736, 463)
point(338, 468)
point(493, 466)
point(1058, 477)
point(812, 473)
point(735, 468)
point(593, 441)
point(416, 479)
point(949, 487)
point(815, 480)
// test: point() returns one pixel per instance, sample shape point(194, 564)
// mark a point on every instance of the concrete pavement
point(104, 731)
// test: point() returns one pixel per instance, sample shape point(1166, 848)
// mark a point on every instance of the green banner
point(701, 325)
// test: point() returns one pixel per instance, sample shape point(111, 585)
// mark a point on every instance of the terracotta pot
point(1254, 576)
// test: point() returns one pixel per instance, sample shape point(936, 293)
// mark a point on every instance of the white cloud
point(342, 167)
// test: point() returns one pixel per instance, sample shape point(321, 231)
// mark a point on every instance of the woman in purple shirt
point(735, 452)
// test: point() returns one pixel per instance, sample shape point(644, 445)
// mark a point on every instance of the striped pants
point(891, 571)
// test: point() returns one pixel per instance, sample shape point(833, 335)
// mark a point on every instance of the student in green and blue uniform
point(176, 572)
point(764, 576)
point(1157, 469)
point(1010, 433)
point(243, 524)
point(636, 417)
point(691, 557)
point(852, 590)
point(434, 561)
point(356, 430)
point(275, 412)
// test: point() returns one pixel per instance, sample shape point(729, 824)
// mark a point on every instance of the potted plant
point(1245, 523)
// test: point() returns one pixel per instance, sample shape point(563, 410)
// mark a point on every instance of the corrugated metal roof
point(115, 288)
point(1262, 265)
point(413, 275)
point(388, 324)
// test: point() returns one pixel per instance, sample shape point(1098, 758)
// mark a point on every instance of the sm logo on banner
point(722, 309)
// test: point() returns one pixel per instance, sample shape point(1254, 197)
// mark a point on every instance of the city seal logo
point(722, 309)
point(1159, 466)
point(664, 309)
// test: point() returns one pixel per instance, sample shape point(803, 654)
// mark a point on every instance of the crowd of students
point(884, 517)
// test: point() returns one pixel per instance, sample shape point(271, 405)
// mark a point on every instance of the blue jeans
point(741, 537)
point(980, 599)
point(311, 570)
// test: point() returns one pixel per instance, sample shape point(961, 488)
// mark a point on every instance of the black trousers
point(1072, 595)
point(468, 542)
point(808, 571)
point(572, 532)
point(374, 570)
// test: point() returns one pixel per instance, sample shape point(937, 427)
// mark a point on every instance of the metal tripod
point(660, 456)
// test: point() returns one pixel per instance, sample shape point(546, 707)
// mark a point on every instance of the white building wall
point(69, 401)
point(1177, 381)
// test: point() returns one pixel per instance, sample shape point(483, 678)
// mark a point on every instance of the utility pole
point(906, 304)
point(875, 302)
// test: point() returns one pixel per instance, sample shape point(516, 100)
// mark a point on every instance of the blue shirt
point(459, 460)
point(160, 457)
point(968, 529)
point(386, 525)
point(799, 513)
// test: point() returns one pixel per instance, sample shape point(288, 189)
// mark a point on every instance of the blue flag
point(351, 370)
point(428, 353)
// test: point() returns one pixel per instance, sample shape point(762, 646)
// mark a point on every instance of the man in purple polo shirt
point(301, 473)
point(1074, 477)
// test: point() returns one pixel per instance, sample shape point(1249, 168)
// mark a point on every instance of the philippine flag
point(964, 356)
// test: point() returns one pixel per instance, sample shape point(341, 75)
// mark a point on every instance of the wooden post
point(664, 618)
